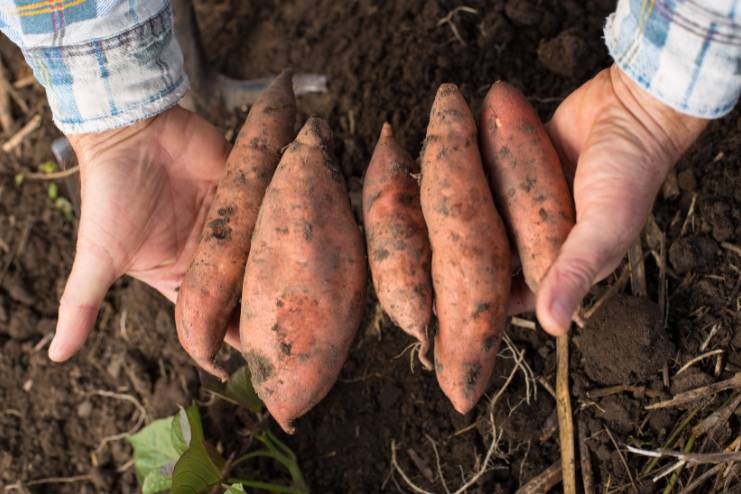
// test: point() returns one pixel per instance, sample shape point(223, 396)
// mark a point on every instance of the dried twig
point(485, 465)
point(50, 480)
point(610, 292)
point(718, 417)
point(448, 19)
point(523, 323)
point(543, 482)
point(24, 82)
point(54, 175)
point(6, 113)
point(531, 390)
point(698, 393)
point(565, 418)
point(638, 391)
point(690, 215)
point(702, 478)
point(22, 134)
point(622, 459)
point(698, 458)
point(712, 332)
point(584, 460)
point(732, 247)
point(699, 358)
point(637, 269)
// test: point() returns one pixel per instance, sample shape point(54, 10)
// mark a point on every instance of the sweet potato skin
point(470, 251)
point(212, 285)
point(396, 236)
point(305, 282)
point(527, 180)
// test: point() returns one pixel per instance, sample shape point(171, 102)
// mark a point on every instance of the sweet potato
point(212, 285)
point(396, 235)
point(470, 252)
point(528, 182)
point(304, 286)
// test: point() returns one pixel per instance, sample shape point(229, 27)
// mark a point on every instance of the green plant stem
point(675, 476)
point(255, 484)
point(283, 454)
point(669, 442)
point(263, 453)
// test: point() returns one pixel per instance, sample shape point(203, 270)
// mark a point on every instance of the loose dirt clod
point(625, 341)
point(689, 253)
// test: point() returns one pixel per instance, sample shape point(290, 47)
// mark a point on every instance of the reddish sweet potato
point(470, 251)
point(527, 179)
point(396, 235)
point(304, 286)
point(211, 288)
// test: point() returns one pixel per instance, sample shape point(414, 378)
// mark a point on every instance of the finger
point(589, 254)
point(521, 299)
point(91, 277)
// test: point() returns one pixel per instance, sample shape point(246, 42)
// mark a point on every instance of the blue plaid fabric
point(104, 64)
point(686, 53)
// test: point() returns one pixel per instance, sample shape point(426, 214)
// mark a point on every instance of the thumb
point(589, 254)
point(614, 189)
point(91, 277)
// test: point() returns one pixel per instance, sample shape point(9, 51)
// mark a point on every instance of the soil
point(384, 61)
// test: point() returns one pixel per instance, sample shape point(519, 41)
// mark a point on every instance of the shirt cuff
point(685, 54)
point(112, 82)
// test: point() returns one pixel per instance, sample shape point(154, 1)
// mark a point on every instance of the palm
point(617, 143)
point(145, 193)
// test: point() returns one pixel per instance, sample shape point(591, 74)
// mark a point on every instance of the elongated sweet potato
point(211, 288)
point(304, 286)
point(527, 179)
point(470, 252)
point(396, 235)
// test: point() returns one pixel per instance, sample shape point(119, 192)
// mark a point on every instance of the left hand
point(618, 144)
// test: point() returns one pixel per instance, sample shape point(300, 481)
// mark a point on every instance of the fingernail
point(562, 312)
point(55, 350)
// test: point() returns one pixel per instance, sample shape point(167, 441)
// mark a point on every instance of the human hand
point(145, 191)
point(617, 143)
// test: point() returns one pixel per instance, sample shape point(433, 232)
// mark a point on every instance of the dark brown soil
point(384, 61)
point(632, 327)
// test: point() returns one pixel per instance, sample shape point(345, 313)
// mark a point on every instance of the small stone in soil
point(625, 341)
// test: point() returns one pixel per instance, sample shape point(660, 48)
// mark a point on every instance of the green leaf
point(48, 167)
point(63, 204)
point(200, 467)
point(180, 431)
point(156, 481)
point(154, 450)
point(239, 388)
point(53, 190)
point(19, 179)
point(235, 489)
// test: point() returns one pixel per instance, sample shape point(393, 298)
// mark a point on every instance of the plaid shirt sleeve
point(686, 53)
point(103, 63)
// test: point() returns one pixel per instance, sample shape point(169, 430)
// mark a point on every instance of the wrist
point(683, 53)
point(671, 131)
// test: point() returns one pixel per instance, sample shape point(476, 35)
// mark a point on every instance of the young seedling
point(172, 454)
